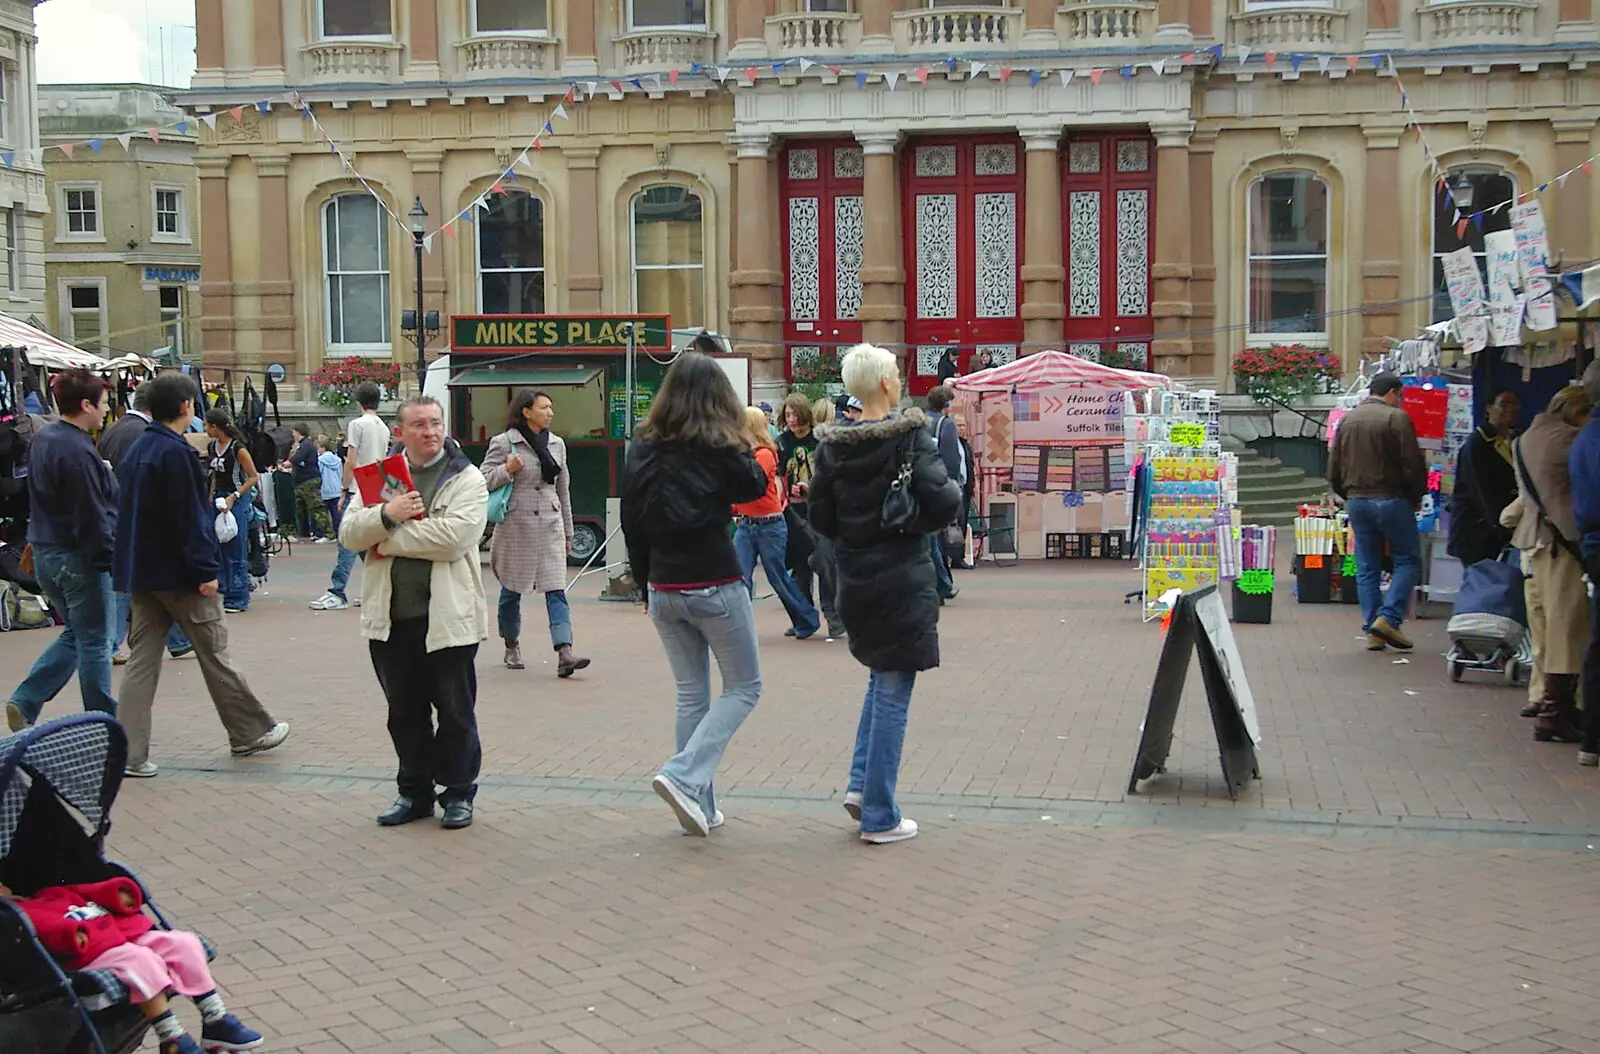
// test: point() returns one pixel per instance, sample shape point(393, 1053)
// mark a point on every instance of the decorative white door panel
point(824, 235)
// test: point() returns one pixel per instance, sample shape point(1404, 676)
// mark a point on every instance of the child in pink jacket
point(101, 926)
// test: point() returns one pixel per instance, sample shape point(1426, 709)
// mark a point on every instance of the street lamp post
point(418, 321)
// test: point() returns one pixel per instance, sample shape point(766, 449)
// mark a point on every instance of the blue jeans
point(1376, 521)
point(82, 595)
point(556, 609)
point(176, 641)
point(695, 625)
point(768, 541)
point(235, 579)
point(875, 767)
point(940, 570)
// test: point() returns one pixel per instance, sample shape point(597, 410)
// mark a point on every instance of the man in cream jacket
point(423, 615)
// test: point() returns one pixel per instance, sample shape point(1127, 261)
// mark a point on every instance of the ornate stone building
point(23, 202)
point(999, 176)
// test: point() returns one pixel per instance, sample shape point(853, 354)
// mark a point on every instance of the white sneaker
point(852, 805)
point(142, 771)
point(329, 602)
point(321, 541)
point(273, 737)
point(904, 831)
point(717, 820)
point(691, 817)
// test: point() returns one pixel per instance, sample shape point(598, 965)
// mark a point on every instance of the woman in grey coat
point(528, 553)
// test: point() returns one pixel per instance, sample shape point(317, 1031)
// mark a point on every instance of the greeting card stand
point(1199, 627)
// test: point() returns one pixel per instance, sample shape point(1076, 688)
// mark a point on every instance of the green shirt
point(410, 579)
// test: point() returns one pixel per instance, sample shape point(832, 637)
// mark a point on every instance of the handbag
point(899, 513)
point(499, 503)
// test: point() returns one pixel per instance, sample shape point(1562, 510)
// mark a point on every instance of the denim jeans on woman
point(875, 766)
point(556, 608)
point(82, 595)
point(235, 578)
point(1377, 521)
point(695, 625)
point(768, 541)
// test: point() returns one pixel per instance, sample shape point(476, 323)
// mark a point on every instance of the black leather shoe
point(404, 810)
point(457, 814)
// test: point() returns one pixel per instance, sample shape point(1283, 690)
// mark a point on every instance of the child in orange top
point(761, 533)
point(102, 926)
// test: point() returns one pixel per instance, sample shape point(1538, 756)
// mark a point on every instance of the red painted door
point(1108, 229)
point(963, 247)
point(820, 199)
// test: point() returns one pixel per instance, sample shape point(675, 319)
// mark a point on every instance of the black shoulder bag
point(1533, 493)
point(900, 501)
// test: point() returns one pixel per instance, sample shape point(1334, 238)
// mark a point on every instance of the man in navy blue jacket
point(1584, 464)
point(942, 430)
point(168, 559)
point(73, 517)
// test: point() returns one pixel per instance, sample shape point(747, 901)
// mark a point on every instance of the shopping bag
point(499, 503)
point(227, 526)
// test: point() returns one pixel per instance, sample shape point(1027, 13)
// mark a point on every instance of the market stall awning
point(553, 377)
point(1052, 369)
point(44, 350)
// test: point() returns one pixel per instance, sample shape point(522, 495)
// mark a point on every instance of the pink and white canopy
point(45, 350)
point(1053, 369)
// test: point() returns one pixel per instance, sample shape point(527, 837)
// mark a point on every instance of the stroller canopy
point(80, 758)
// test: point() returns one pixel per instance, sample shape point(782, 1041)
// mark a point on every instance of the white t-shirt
point(368, 437)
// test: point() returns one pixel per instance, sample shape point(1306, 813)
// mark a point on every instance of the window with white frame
point(669, 255)
point(78, 213)
point(659, 14)
point(355, 247)
point(511, 16)
point(5, 102)
point(511, 255)
point(172, 317)
point(170, 223)
point(1491, 186)
point(83, 309)
point(1286, 288)
point(356, 18)
point(8, 251)
point(830, 6)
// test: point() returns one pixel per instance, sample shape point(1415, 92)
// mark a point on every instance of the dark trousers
point(417, 683)
point(1591, 666)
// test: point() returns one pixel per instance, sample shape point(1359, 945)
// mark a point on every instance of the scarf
point(540, 441)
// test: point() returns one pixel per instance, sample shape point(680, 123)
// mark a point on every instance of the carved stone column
point(269, 42)
point(1204, 360)
point(585, 282)
point(1172, 22)
point(1043, 309)
point(216, 264)
point(1380, 238)
point(427, 183)
point(276, 288)
point(580, 37)
point(1039, 25)
point(757, 286)
point(1574, 23)
point(883, 276)
point(208, 48)
point(422, 57)
point(1170, 307)
point(877, 34)
point(1570, 231)
point(747, 28)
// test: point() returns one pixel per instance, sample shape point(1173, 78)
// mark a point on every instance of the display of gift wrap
point(1188, 520)
point(1257, 549)
point(1318, 541)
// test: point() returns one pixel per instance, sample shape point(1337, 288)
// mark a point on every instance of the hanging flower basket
point(335, 383)
point(1285, 372)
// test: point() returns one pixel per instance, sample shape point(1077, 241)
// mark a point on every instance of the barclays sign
point(172, 274)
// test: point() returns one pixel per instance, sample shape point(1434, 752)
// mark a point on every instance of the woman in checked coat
point(529, 551)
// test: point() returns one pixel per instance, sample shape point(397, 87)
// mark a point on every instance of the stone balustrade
point(1467, 22)
point(661, 50)
point(813, 33)
point(1091, 23)
point(491, 57)
point(1284, 27)
point(352, 62)
point(954, 28)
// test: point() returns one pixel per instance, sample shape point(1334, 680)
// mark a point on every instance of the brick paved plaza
point(1412, 873)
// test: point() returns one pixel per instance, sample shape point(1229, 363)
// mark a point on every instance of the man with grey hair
point(1584, 465)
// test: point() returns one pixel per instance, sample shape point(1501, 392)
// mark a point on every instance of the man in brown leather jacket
point(1377, 467)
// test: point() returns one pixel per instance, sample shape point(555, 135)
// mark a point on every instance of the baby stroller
point(1489, 627)
point(57, 784)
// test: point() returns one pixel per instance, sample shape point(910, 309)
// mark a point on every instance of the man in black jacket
point(168, 558)
point(942, 430)
point(308, 485)
point(72, 497)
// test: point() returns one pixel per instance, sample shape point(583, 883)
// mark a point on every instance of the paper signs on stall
point(1187, 433)
point(1465, 285)
point(1533, 255)
point(1427, 408)
point(1505, 307)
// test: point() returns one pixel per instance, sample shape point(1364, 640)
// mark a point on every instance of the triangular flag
point(183, 127)
point(155, 135)
point(1477, 219)
point(1244, 54)
point(67, 148)
point(1095, 75)
point(638, 85)
point(891, 78)
point(210, 119)
point(1588, 168)
point(1066, 77)
point(538, 144)
point(1295, 61)
point(450, 230)
point(125, 139)
point(589, 87)
point(695, 67)
point(978, 67)
point(468, 216)
point(1461, 229)
point(950, 64)
point(1160, 66)
point(1005, 71)
point(1216, 52)
point(1322, 63)
point(496, 189)
point(548, 130)
point(8, 157)
point(1127, 73)
point(1270, 57)
point(750, 74)
point(560, 111)
point(427, 243)
point(94, 144)
point(1034, 77)
point(572, 91)
point(806, 64)
point(655, 82)
point(861, 80)
point(1377, 62)
point(617, 86)
point(511, 173)
point(835, 70)
point(722, 74)
point(1187, 57)
point(777, 69)
point(237, 113)
point(921, 74)
point(1352, 61)
point(264, 106)
point(1543, 187)
point(672, 78)
point(482, 202)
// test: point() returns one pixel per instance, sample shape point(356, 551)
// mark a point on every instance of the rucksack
point(20, 609)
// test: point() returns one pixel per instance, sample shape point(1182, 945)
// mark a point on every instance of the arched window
point(355, 254)
point(511, 255)
point(1490, 186)
point(1286, 288)
point(669, 255)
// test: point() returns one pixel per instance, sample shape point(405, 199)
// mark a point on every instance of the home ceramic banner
point(1465, 284)
point(1068, 415)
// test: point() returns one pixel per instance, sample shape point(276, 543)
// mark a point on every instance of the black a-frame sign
point(1199, 627)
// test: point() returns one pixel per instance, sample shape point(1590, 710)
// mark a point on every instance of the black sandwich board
point(1199, 627)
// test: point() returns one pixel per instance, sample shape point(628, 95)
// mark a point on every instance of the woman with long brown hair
point(686, 469)
point(761, 534)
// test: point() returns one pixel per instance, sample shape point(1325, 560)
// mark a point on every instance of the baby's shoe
point(227, 1033)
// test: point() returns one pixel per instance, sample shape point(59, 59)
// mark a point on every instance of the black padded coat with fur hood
point(887, 596)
